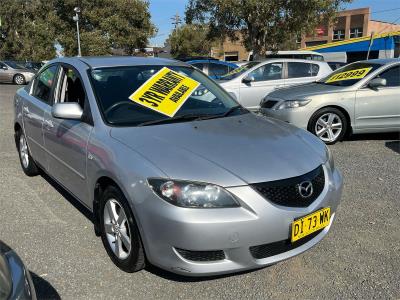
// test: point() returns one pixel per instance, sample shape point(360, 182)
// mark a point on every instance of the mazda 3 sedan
point(176, 173)
point(362, 97)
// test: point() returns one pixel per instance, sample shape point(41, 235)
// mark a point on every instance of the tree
point(31, 29)
point(190, 40)
point(105, 25)
point(27, 30)
point(263, 25)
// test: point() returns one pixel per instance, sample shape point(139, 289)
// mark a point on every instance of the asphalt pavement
point(359, 258)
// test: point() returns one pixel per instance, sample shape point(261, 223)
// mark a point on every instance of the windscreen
point(238, 71)
point(350, 74)
point(14, 65)
point(130, 96)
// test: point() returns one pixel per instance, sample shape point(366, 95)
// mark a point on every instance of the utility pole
point(371, 40)
point(176, 20)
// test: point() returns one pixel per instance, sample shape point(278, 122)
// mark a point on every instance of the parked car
point(13, 72)
point(297, 54)
point(213, 68)
point(251, 82)
point(15, 279)
point(362, 97)
point(33, 65)
point(198, 192)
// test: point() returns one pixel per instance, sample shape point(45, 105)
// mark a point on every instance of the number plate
point(310, 223)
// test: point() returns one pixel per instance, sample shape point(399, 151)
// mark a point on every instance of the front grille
point(268, 104)
point(202, 255)
point(286, 192)
point(268, 250)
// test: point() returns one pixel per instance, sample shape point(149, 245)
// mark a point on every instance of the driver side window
point(392, 76)
point(71, 87)
point(272, 71)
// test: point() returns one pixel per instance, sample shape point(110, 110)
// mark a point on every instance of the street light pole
point(77, 10)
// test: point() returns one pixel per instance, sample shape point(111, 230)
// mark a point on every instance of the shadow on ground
point(393, 145)
point(44, 290)
point(71, 199)
point(181, 278)
point(386, 136)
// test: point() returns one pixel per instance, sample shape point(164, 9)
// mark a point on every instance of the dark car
point(213, 68)
point(15, 279)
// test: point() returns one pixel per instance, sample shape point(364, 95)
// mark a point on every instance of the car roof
point(382, 61)
point(292, 60)
point(119, 61)
point(212, 61)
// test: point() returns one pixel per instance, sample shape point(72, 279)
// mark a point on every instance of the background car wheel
point(19, 79)
point(27, 163)
point(329, 124)
point(119, 231)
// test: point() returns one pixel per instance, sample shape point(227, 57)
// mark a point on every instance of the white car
point(250, 83)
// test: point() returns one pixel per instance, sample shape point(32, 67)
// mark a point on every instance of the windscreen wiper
point(186, 117)
point(225, 114)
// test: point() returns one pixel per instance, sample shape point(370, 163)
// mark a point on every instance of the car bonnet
point(226, 151)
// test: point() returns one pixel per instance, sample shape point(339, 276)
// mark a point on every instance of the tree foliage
point(263, 25)
point(189, 40)
point(31, 29)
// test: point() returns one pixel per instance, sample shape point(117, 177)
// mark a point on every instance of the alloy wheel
point(117, 229)
point(328, 127)
point(23, 151)
point(19, 79)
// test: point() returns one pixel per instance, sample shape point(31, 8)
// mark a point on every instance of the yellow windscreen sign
point(353, 74)
point(165, 92)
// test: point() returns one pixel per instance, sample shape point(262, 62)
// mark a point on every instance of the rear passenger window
point(217, 69)
point(392, 76)
point(314, 69)
point(44, 83)
point(298, 69)
point(199, 66)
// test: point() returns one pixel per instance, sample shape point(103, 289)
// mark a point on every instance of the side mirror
point(4, 68)
point(376, 83)
point(248, 79)
point(71, 111)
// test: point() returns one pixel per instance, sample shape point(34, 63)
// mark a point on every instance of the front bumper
point(232, 230)
point(299, 116)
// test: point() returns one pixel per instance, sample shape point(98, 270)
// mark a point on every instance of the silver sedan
point(14, 72)
point(362, 97)
point(175, 172)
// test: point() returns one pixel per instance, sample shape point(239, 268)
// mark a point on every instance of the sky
point(163, 10)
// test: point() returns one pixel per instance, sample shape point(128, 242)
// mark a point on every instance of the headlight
point(293, 103)
point(330, 158)
point(192, 194)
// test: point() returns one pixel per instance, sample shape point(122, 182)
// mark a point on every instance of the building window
point(338, 34)
point(356, 32)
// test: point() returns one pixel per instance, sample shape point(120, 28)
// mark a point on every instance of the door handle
point(48, 123)
point(26, 112)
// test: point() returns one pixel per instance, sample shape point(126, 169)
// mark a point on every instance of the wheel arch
point(17, 127)
point(341, 109)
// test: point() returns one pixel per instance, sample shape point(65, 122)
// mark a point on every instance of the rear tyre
point(119, 231)
point(329, 124)
point(27, 163)
point(19, 79)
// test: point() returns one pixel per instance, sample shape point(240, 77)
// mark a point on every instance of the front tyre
point(329, 124)
point(27, 163)
point(119, 231)
point(19, 79)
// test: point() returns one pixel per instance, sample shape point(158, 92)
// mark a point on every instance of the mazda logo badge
point(306, 189)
